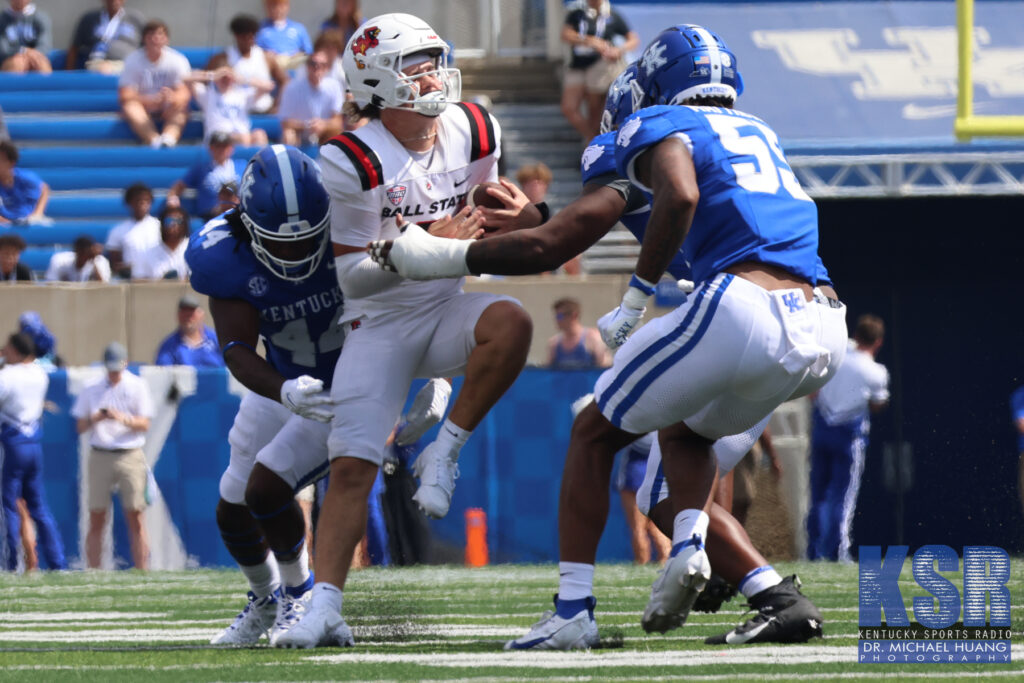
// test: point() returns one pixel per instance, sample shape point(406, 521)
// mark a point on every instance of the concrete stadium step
point(511, 79)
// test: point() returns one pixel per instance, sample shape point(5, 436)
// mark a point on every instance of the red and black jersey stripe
point(481, 130)
point(365, 160)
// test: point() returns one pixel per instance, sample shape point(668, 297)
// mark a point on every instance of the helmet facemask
point(288, 237)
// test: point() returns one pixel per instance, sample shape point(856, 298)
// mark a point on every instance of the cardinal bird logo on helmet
point(364, 42)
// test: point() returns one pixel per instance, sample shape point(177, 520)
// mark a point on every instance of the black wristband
point(545, 212)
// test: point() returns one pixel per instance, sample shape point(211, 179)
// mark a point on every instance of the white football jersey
point(372, 179)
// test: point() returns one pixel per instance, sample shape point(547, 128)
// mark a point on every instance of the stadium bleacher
point(69, 131)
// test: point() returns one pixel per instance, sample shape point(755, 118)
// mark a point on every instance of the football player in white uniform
point(414, 160)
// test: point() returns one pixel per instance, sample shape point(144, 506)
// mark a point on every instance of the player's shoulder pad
point(483, 130)
point(646, 128)
point(215, 260)
point(347, 159)
point(599, 157)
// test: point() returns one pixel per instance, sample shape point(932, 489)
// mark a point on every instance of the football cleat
point(250, 625)
point(715, 594)
point(437, 471)
point(317, 627)
point(570, 626)
point(784, 615)
point(292, 604)
point(677, 586)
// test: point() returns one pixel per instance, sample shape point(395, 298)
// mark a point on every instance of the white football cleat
point(318, 627)
point(437, 470)
point(290, 609)
point(250, 625)
point(677, 586)
point(577, 631)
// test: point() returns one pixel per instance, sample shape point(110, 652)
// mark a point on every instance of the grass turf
point(426, 623)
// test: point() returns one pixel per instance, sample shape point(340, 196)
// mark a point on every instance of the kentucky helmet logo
point(396, 194)
point(363, 43)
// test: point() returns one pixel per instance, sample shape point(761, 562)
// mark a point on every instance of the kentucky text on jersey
point(321, 301)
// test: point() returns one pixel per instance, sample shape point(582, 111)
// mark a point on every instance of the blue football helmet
point(624, 97)
point(688, 61)
point(285, 208)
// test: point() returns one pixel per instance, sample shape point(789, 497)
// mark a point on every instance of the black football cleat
point(784, 615)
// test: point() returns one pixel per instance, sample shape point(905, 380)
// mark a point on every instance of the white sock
point(688, 523)
point(296, 572)
point(759, 579)
point(452, 437)
point(263, 578)
point(326, 595)
point(575, 580)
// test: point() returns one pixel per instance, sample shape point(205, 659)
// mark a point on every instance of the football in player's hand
point(479, 196)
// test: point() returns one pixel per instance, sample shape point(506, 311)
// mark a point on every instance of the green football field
point(426, 623)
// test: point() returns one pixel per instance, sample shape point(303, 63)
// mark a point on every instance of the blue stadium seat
point(38, 258)
point(64, 232)
point(64, 178)
point(89, 205)
point(82, 128)
point(59, 100)
point(198, 57)
point(58, 80)
point(135, 155)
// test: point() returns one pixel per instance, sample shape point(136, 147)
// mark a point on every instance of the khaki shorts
point(123, 469)
point(596, 78)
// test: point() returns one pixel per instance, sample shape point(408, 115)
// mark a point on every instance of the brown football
point(478, 196)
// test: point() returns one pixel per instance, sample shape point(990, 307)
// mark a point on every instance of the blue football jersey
point(751, 205)
point(598, 165)
point(298, 320)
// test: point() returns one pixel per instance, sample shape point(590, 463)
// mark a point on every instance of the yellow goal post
point(967, 125)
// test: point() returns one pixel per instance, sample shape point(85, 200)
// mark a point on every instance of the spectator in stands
point(286, 40)
point(310, 111)
point(575, 347)
point(209, 176)
point(11, 267)
point(599, 38)
point(116, 412)
point(135, 234)
point(104, 38)
point(535, 180)
point(23, 194)
point(347, 18)
point(23, 386)
point(25, 38)
point(166, 261)
point(85, 263)
point(152, 88)
point(32, 324)
point(332, 43)
point(644, 535)
point(253, 66)
point(226, 102)
point(193, 343)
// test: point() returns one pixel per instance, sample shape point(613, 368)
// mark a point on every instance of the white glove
point(305, 396)
point(418, 255)
point(616, 326)
point(579, 404)
point(427, 410)
point(685, 286)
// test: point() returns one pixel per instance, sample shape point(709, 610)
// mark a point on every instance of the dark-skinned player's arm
point(237, 324)
point(667, 168)
point(571, 231)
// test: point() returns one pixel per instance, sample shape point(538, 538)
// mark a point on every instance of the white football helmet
point(379, 50)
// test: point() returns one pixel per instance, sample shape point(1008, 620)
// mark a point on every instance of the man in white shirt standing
point(839, 439)
point(23, 384)
point(152, 87)
point(116, 411)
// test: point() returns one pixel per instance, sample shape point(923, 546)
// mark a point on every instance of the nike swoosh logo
point(917, 112)
point(734, 638)
point(462, 181)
